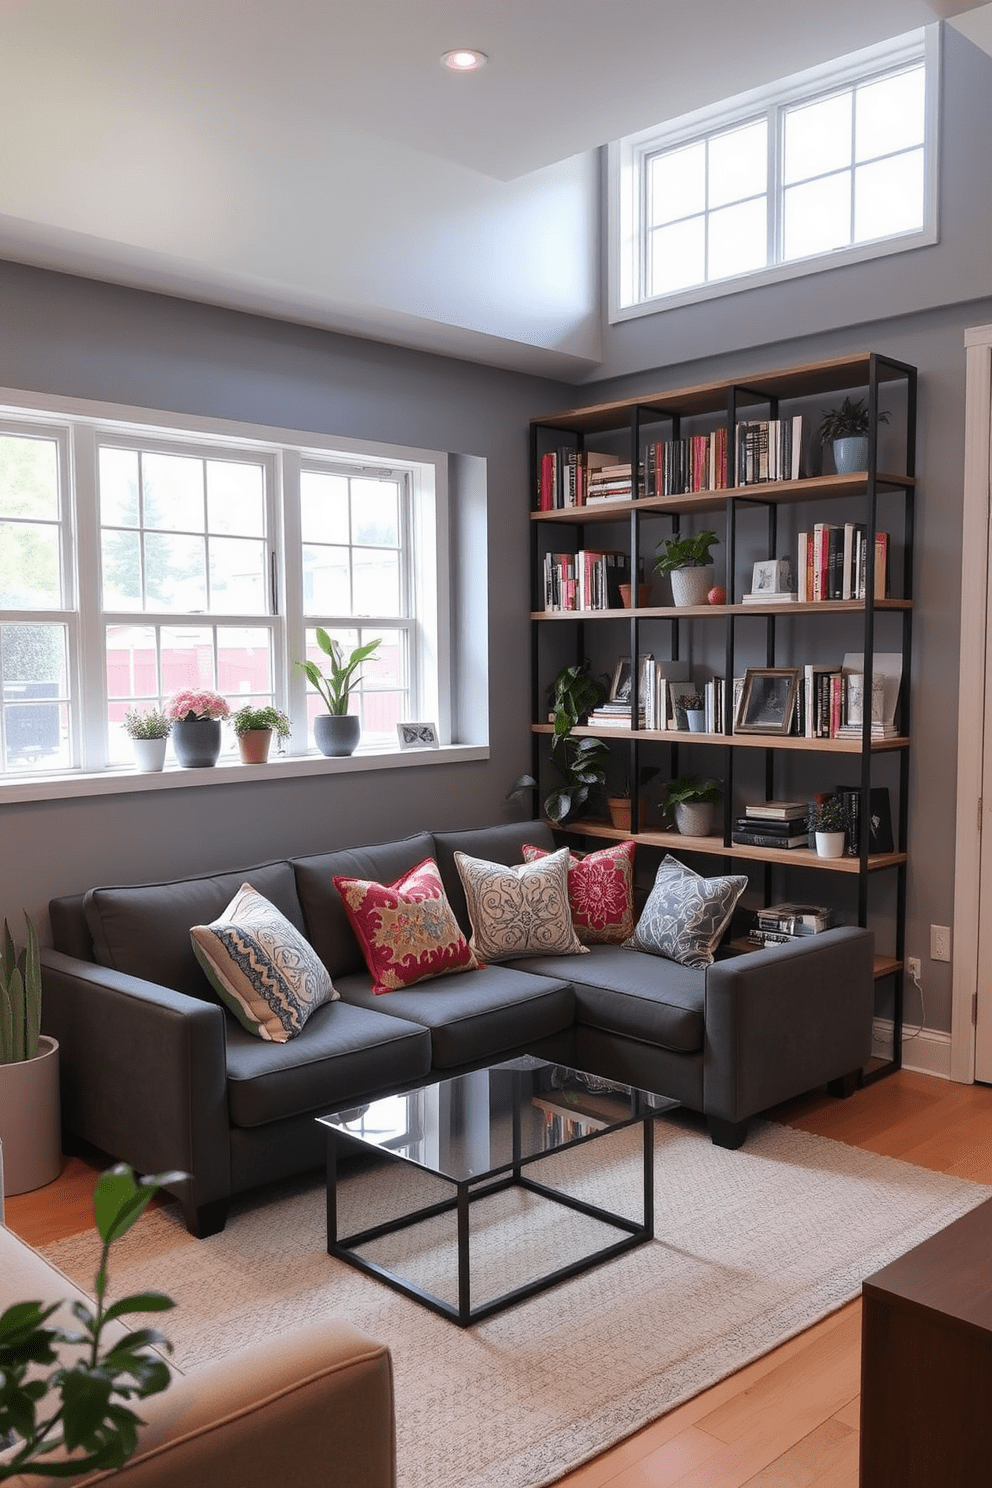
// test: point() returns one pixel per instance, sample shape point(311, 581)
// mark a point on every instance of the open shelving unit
point(733, 629)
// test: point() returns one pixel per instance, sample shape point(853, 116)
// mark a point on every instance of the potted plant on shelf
point(846, 429)
point(29, 1072)
point(254, 727)
point(337, 731)
point(581, 762)
point(829, 823)
point(689, 564)
point(196, 718)
point(695, 712)
point(149, 734)
point(691, 801)
point(77, 1411)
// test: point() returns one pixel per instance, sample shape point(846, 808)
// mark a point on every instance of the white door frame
point(974, 805)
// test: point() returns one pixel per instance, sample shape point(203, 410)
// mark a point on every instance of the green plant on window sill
point(335, 686)
point(250, 717)
point(76, 1410)
point(151, 725)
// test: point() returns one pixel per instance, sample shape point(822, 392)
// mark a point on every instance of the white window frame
point(80, 425)
point(627, 175)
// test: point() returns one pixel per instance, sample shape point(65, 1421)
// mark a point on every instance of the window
point(137, 560)
point(830, 166)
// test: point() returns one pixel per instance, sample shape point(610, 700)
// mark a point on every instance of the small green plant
point(692, 702)
point(581, 762)
point(250, 717)
point(20, 997)
point(151, 725)
point(685, 552)
point(76, 1408)
point(829, 815)
point(849, 421)
point(689, 790)
point(335, 687)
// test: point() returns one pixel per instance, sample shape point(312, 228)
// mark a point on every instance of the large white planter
point(30, 1120)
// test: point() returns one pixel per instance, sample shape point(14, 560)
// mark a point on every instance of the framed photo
point(768, 700)
point(623, 681)
point(772, 576)
point(417, 735)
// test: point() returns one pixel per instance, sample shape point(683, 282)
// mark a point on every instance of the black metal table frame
point(465, 1314)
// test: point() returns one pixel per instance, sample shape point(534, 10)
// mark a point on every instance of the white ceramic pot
point(30, 1120)
point(149, 754)
point(690, 586)
point(693, 818)
point(830, 844)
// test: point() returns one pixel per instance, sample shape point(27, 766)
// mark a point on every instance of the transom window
point(831, 165)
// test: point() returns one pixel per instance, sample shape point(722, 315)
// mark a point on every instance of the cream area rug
point(751, 1247)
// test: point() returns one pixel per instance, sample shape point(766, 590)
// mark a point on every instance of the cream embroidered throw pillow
point(519, 911)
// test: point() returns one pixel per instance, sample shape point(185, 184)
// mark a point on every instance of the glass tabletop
point(480, 1123)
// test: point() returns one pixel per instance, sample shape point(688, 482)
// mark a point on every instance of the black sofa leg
point(845, 1085)
point(728, 1134)
point(205, 1219)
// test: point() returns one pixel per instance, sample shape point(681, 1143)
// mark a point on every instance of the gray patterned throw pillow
point(519, 911)
point(685, 915)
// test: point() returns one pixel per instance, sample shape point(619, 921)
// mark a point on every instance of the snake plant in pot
point(29, 1071)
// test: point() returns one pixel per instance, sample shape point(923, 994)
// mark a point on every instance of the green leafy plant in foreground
point(581, 762)
point(76, 1410)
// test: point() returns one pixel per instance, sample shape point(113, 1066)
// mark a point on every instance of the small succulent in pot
point(252, 717)
point(155, 724)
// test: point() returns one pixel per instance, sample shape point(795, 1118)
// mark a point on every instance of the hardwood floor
point(790, 1420)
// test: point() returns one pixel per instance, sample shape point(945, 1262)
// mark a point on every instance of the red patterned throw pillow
point(600, 892)
point(407, 930)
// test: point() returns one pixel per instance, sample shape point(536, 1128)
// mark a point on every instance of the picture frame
point(768, 700)
point(416, 735)
point(623, 681)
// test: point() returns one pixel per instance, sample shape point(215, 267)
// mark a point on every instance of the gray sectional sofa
point(157, 1073)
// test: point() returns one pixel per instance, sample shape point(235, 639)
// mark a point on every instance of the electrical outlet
point(913, 967)
point(940, 943)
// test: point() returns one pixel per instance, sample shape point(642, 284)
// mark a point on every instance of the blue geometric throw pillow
point(685, 914)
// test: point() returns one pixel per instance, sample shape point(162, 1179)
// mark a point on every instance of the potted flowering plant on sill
point(254, 727)
point(149, 734)
point(196, 717)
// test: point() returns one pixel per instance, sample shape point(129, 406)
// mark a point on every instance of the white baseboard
point(927, 1052)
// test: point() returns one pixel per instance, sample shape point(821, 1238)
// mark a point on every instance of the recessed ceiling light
point(464, 59)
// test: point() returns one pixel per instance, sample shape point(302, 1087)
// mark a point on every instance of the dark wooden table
point(926, 1363)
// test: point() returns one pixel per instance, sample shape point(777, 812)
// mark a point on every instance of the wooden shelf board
point(795, 857)
point(737, 741)
point(707, 612)
point(833, 375)
point(778, 493)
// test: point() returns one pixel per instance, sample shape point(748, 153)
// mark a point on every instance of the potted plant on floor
point(689, 564)
point(254, 727)
point(29, 1071)
point(149, 734)
point(337, 731)
point(196, 718)
point(581, 762)
point(846, 430)
point(829, 823)
point(691, 801)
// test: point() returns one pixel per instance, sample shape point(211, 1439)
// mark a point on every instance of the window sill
point(122, 781)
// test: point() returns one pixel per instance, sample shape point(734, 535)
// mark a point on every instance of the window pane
point(890, 114)
point(33, 665)
point(175, 572)
point(187, 657)
point(173, 492)
point(381, 712)
point(678, 256)
point(817, 216)
point(677, 184)
point(324, 507)
point(132, 666)
point(377, 581)
point(817, 138)
point(121, 570)
point(118, 487)
point(237, 575)
point(243, 663)
point(29, 478)
point(738, 239)
point(386, 667)
point(30, 567)
point(888, 196)
point(738, 164)
point(375, 519)
point(235, 499)
point(326, 581)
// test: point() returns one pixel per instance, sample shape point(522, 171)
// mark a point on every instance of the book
point(773, 809)
point(759, 937)
point(796, 919)
point(788, 827)
point(880, 839)
point(769, 839)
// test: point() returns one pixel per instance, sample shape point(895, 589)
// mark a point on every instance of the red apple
point(717, 595)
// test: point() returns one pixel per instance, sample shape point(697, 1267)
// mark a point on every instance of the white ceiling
point(311, 159)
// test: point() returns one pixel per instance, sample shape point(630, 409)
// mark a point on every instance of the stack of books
point(609, 483)
point(565, 474)
point(784, 922)
point(772, 824)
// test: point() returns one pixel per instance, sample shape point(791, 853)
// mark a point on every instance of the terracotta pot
point(253, 746)
point(619, 809)
point(643, 595)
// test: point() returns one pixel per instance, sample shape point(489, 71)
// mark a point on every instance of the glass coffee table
point(469, 1139)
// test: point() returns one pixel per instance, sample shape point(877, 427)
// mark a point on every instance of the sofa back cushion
point(143, 930)
point(502, 844)
point(327, 926)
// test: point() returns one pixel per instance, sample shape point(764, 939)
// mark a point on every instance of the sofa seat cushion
point(343, 1052)
point(473, 1015)
point(628, 992)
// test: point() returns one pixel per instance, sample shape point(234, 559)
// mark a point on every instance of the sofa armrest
point(786, 1019)
point(143, 1072)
